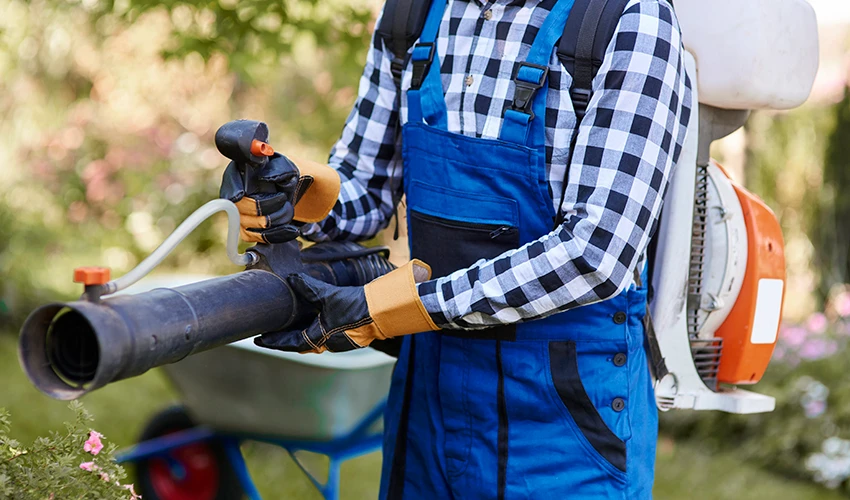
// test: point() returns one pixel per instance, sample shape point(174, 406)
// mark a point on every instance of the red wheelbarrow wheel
point(199, 471)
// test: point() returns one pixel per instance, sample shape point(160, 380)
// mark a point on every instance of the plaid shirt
point(627, 146)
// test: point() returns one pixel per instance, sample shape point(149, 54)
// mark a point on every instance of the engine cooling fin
point(705, 351)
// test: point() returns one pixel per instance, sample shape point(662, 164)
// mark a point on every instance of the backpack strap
point(582, 50)
point(657, 363)
point(400, 27)
point(586, 36)
point(584, 42)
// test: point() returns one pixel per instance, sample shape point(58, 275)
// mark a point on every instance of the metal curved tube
point(179, 234)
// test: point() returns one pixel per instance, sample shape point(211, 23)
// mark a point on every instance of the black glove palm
point(352, 317)
point(347, 308)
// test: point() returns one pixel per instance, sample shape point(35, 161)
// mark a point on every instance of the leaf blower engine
point(718, 269)
point(717, 261)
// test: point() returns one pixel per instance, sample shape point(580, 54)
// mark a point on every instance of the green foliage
point(829, 228)
point(799, 162)
point(252, 34)
point(60, 465)
point(689, 470)
point(108, 145)
point(785, 158)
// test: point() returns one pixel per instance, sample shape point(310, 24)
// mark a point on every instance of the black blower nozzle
point(70, 349)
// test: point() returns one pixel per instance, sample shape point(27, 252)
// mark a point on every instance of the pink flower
point(89, 466)
point(93, 444)
point(842, 304)
point(817, 323)
point(794, 336)
point(818, 349)
point(104, 476)
point(814, 409)
point(133, 495)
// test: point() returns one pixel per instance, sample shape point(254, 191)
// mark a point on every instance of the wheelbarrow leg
point(234, 454)
point(331, 489)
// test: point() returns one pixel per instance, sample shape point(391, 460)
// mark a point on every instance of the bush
point(108, 145)
point(70, 465)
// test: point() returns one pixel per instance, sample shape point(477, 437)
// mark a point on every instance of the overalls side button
point(619, 359)
point(620, 318)
point(618, 404)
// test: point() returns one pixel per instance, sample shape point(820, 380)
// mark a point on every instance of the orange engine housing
point(750, 331)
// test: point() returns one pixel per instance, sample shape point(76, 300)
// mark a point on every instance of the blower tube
point(70, 349)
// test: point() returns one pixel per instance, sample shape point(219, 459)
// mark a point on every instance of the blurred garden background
point(107, 115)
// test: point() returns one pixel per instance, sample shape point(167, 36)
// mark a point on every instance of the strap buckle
point(396, 69)
point(581, 99)
point(421, 63)
point(527, 87)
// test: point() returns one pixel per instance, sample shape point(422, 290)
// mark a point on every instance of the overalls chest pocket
point(452, 229)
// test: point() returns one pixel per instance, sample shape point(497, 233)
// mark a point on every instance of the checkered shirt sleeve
point(627, 146)
point(367, 157)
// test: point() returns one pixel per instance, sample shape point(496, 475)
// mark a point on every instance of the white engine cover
point(683, 387)
point(751, 54)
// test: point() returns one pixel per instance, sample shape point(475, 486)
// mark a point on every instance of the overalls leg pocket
point(592, 388)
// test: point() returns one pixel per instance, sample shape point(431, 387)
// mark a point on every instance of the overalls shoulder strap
point(425, 101)
point(588, 30)
point(519, 125)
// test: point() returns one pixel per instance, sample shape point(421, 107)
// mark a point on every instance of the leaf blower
point(70, 349)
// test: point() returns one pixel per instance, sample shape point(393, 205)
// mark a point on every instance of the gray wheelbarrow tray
point(248, 389)
point(329, 404)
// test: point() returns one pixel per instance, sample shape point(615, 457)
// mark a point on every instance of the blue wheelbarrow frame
point(360, 441)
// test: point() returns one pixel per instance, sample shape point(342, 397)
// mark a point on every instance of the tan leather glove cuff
point(394, 303)
point(321, 196)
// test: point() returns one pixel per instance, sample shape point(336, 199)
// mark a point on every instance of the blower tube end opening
point(59, 351)
point(72, 347)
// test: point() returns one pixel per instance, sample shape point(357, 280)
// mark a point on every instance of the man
point(530, 379)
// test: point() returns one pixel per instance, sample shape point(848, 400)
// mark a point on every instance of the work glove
point(352, 317)
point(289, 191)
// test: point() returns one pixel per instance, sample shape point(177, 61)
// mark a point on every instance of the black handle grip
point(234, 139)
point(240, 141)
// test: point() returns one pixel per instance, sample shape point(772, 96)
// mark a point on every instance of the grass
point(684, 471)
point(121, 410)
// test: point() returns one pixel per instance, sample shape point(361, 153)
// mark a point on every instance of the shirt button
point(618, 404)
point(619, 359)
point(620, 318)
point(488, 14)
point(468, 81)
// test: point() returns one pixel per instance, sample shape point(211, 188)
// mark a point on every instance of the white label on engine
point(768, 307)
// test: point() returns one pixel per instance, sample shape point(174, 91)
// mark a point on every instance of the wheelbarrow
point(329, 404)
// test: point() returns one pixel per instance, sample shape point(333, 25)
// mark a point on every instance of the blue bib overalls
point(555, 408)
